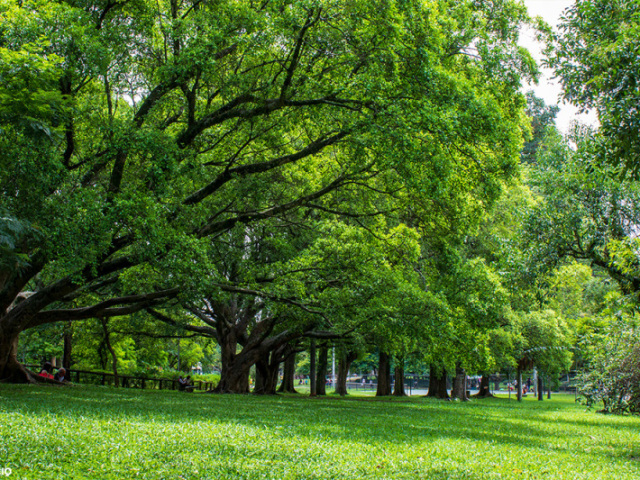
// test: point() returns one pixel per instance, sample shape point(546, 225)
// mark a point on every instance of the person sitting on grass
point(61, 375)
point(46, 370)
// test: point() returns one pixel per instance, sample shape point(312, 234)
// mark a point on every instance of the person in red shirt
point(46, 370)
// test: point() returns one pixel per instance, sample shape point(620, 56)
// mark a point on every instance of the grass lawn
point(104, 433)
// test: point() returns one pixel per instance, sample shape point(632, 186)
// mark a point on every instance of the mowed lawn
point(104, 433)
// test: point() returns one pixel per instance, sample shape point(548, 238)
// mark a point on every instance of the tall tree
point(288, 377)
point(596, 57)
point(542, 117)
point(323, 362)
point(313, 381)
point(155, 128)
point(585, 213)
point(346, 356)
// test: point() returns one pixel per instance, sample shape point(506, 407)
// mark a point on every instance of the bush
point(613, 377)
point(208, 377)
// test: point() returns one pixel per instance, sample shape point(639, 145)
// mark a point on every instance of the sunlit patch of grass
point(103, 433)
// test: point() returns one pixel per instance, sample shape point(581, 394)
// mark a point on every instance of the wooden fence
point(128, 381)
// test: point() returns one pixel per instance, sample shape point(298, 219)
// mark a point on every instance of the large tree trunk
point(459, 389)
point(67, 337)
point(288, 379)
point(384, 375)
point(496, 379)
point(267, 375)
point(114, 358)
point(232, 329)
point(234, 376)
point(178, 361)
point(433, 374)
point(441, 386)
point(438, 383)
point(484, 390)
point(519, 380)
point(312, 369)
point(346, 359)
point(10, 369)
point(398, 389)
point(323, 363)
point(540, 389)
point(261, 377)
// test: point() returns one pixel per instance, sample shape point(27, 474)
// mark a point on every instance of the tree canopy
point(136, 136)
point(596, 59)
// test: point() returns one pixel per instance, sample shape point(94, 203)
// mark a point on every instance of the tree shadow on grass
point(373, 425)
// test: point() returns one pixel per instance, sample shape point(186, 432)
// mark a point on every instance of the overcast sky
point(549, 89)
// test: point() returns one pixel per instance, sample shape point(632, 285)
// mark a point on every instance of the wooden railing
point(128, 381)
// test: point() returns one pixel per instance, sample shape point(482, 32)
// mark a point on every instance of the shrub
point(613, 377)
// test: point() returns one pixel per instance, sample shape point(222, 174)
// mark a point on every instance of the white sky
point(548, 88)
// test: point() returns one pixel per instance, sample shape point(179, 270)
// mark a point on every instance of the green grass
point(103, 433)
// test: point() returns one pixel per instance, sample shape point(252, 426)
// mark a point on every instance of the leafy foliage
point(596, 58)
point(176, 130)
point(612, 377)
point(542, 117)
point(583, 212)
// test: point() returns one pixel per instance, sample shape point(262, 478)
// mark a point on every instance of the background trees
point(585, 212)
point(267, 175)
point(138, 135)
point(612, 354)
point(596, 59)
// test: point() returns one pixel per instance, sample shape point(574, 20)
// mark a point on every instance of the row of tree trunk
point(267, 369)
point(268, 366)
point(438, 385)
